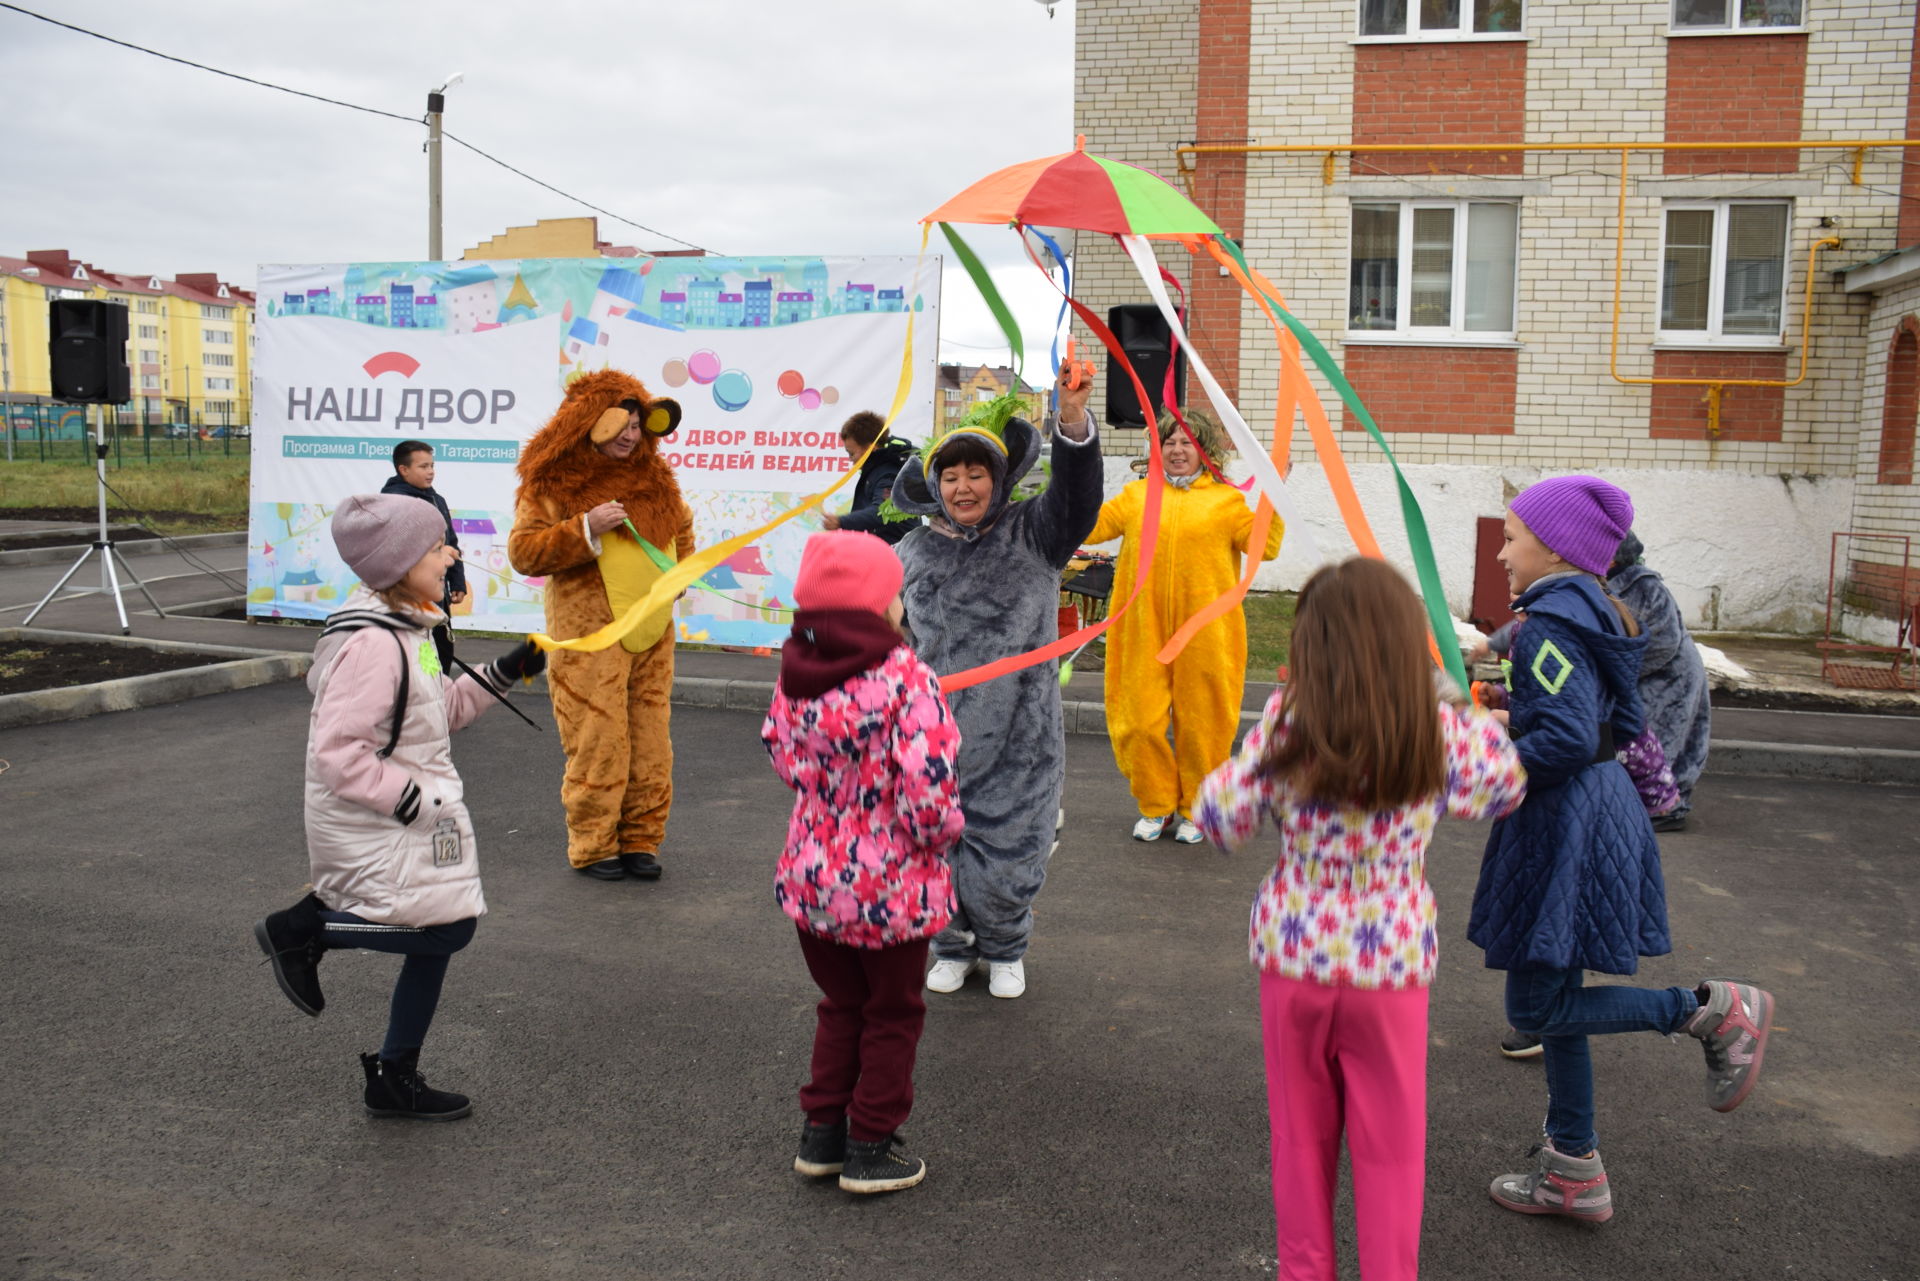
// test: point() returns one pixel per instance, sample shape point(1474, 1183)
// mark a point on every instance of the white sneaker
point(1006, 978)
point(1188, 833)
point(1149, 829)
point(949, 976)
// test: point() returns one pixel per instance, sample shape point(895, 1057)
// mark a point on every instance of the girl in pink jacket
point(860, 730)
point(388, 838)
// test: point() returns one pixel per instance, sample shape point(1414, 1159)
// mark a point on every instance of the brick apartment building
point(1471, 295)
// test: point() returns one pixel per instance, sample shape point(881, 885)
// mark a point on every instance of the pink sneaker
point(1732, 1024)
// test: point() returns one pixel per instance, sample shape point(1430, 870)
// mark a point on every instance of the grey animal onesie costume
point(974, 595)
point(1673, 681)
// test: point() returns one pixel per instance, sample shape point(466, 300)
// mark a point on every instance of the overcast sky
point(744, 126)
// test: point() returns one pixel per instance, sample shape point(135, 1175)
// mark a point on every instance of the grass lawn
point(205, 493)
point(1269, 627)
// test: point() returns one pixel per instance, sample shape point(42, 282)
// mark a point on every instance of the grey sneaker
point(1573, 1186)
point(1732, 1025)
point(1521, 1045)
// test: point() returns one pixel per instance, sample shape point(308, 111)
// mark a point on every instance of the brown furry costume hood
point(561, 469)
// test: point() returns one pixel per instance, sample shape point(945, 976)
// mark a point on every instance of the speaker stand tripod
point(109, 580)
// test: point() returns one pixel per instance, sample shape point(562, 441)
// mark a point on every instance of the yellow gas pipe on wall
point(1715, 386)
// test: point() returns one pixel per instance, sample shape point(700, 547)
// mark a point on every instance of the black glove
point(409, 807)
point(522, 662)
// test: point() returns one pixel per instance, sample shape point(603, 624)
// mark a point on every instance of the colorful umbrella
point(1090, 193)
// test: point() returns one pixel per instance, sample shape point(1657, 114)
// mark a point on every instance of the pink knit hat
point(1582, 518)
point(382, 536)
point(847, 570)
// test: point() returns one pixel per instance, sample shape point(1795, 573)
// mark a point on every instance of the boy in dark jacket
point(876, 479)
point(413, 478)
point(1571, 880)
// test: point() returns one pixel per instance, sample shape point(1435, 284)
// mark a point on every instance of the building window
point(216, 336)
point(211, 312)
point(149, 356)
point(219, 384)
point(1434, 269)
point(1735, 15)
point(150, 331)
point(149, 382)
point(1723, 270)
point(1442, 19)
point(220, 361)
point(147, 307)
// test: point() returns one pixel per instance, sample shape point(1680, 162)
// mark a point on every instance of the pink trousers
point(1341, 1058)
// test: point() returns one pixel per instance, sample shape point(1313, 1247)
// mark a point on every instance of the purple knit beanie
point(382, 536)
point(1582, 518)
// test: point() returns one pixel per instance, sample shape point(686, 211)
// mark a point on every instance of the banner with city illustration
point(767, 357)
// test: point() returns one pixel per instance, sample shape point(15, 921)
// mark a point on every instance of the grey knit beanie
point(382, 536)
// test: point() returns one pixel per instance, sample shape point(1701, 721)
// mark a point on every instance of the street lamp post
point(436, 106)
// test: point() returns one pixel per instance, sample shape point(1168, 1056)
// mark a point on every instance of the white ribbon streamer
point(1265, 476)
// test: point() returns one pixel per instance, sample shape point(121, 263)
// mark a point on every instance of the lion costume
point(611, 706)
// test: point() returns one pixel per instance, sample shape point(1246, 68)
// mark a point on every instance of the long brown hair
point(1364, 717)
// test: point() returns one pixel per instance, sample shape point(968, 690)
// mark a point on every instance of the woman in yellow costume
point(588, 479)
point(1204, 527)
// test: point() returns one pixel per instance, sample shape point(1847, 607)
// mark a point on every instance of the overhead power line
point(352, 106)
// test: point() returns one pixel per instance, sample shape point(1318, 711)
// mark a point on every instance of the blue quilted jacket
point(1572, 878)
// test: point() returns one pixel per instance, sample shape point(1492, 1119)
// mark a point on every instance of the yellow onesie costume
point(612, 706)
point(1203, 533)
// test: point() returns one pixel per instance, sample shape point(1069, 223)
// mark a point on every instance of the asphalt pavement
point(633, 1050)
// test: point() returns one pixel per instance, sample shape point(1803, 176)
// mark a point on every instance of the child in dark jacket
point(1571, 881)
point(860, 730)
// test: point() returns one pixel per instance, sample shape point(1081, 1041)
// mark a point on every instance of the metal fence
point(49, 431)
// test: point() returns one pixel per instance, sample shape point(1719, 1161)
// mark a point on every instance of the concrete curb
point(1808, 760)
point(232, 668)
point(130, 547)
point(1727, 757)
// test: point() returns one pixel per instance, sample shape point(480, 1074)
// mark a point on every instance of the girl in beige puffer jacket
point(389, 840)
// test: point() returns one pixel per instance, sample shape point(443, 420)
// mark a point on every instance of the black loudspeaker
point(1142, 333)
point(87, 342)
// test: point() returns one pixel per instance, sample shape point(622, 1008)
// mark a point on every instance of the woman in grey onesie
point(983, 582)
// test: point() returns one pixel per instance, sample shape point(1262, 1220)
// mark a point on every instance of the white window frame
point(1734, 28)
point(1712, 336)
point(1457, 332)
point(1463, 30)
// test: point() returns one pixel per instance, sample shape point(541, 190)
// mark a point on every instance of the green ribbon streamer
point(984, 283)
point(1419, 541)
point(664, 562)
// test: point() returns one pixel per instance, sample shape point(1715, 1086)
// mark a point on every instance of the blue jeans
point(1554, 1006)
point(416, 993)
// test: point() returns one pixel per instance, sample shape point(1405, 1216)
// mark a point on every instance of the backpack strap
point(359, 621)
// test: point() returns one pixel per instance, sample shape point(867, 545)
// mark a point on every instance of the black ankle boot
point(823, 1149)
point(293, 943)
point(396, 1088)
point(880, 1166)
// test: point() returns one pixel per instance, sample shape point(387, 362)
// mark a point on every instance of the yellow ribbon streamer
point(676, 580)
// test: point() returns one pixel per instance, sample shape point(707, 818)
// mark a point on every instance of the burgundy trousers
point(870, 1015)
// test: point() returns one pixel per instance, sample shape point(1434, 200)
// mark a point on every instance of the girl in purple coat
point(860, 730)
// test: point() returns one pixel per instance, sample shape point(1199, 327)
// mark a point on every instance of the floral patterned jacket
point(878, 805)
point(1348, 903)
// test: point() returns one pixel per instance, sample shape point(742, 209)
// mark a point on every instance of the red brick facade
point(1902, 403)
point(1468, 90)
point(1467, 390)
point(1735, 89)
point(1910, 156)
point(1746, 413)
point(1220, 181)
point(1891, 593)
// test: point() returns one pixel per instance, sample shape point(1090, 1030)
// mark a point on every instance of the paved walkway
point(633, 1050)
